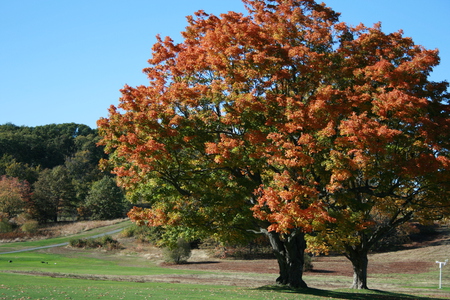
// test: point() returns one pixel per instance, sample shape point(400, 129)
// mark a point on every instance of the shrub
point(143, 233)
point(128, 232)
point(179, 253)
point(105, 242)
point(93, 243)
point(5, 226)
point(30, 226)
point(77, 243)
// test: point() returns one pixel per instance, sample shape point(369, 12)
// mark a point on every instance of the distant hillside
point(46, 146)
point(57, 166)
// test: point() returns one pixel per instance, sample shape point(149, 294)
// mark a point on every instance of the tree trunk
point(358, 253)
point(360, 261)
point(289, 252)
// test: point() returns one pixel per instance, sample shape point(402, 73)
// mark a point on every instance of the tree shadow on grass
point(350, 295)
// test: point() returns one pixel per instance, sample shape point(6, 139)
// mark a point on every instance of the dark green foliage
point(60, 161)
point(54, 195)
point(46, 146)
point(104, 242)
point(105, 200)
point(77, 243)
point(83, 169)
point(178, 253)
point(5, 226)
point(10, 167)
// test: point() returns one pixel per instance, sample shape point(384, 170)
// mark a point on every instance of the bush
point(5, 226)
point(143, 233)
point(30, 226)
point(77, 243)
point(93, 243)
point(109, 243)
point(128, 232)
point(179, 253)
point(105, 242)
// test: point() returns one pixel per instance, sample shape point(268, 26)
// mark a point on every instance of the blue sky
point(65, 61)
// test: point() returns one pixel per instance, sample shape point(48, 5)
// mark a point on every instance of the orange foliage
point(311, 112)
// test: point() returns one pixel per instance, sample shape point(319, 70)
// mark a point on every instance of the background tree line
point(50, 173)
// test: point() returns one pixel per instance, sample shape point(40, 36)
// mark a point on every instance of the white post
point(441, 264)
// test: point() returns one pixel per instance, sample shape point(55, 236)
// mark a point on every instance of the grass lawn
point(94, 274)
point(33, 287)
point(79, 264)
point(14, 286)
point(40, 275)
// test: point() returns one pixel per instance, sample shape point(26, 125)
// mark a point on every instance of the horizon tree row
point(53, 173)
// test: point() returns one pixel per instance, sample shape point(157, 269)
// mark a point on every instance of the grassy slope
point(6, 247)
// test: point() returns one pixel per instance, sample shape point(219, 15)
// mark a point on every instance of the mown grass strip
point(37, 262)
point(14, 286)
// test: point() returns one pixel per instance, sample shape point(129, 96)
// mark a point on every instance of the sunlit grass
point(78, 264)
point(15, 286)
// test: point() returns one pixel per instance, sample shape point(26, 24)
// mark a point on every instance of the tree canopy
point(105, 200)
point(58, 161)
point(14, 197)
point(46, 146)
point(288, 122)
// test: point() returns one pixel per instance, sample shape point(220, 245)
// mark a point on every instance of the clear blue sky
point(65, 60)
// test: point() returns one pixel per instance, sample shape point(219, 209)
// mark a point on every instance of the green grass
point(14, 286)
point(38, 262)
point(93, 274)
point(419, 281)
point(29, 287)
point(79, 276)
point(69, 277)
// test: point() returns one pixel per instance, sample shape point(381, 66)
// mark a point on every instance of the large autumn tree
point(281, 121)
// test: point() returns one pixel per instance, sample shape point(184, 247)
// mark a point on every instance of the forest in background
point(51, 173)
